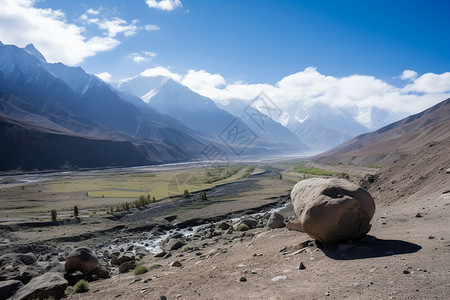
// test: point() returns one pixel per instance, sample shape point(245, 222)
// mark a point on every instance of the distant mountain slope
point(28, 146)
point(206, 117)
point(322, 127)
point(404, 136)
point(68, 99)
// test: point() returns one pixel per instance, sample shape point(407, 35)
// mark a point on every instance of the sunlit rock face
point(332, 210)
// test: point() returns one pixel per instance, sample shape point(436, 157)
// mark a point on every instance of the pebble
point(243, 279)
point(327, 294)
point(302, 266)
point(278, 278)
point(163, 298)
point(405, 272)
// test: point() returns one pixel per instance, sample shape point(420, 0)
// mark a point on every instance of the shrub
point(203, 196)
point(186, 193)
point(75, 211)
point(81, 286)
point(140, 270)
point(242, 227)
point(53, 215)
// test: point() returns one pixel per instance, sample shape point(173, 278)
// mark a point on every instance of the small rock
point(161, 254)
point(176, 264)
point(224, 226)
point(447, 171)
point(302, 266)
point(405, 272)
point(243, 279)
point(431, 237)
point(275, 221)
point(418, 215)
point(279, 278)
point(174, 244)
point(327, 294)
point(162, 298)
point(126, 266)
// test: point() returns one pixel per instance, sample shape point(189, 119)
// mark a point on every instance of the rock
point(8, 288)
point(418, 215)
point(405, 272)
point(332, 210)
point(126, 266)
point(48, 285)
point(17, 259)
point(279, 278)
point(249, 221)
point(176, 264)
point(367, 180)
point(174, 244)
point(243, 279)
point(275, 221)
point(302, 266)
point(81, 259)
point(114, 260)
point(125, 257)
point(162, 298)
point(224, 226)
point(18, 266)
point(294, 225)
point(447, 171)
point(101, 272)
point(73, 278)
point(161, 254)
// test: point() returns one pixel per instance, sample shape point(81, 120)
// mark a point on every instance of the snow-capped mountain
point(205, 116)
point(73, 102)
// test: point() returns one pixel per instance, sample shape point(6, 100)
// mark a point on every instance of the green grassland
point(301, 168)
point(159, 184)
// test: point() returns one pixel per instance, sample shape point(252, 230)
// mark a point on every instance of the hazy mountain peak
point(33, 51)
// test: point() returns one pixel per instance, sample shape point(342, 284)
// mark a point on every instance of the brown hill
point(29, 146)
point(402, 137)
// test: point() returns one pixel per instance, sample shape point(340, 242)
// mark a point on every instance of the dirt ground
point(405, 257)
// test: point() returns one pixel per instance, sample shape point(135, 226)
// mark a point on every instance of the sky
point(235, 49)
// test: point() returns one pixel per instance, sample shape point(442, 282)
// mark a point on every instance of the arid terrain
point(405, 255)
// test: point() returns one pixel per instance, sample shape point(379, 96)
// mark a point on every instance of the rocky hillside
point(405, 136)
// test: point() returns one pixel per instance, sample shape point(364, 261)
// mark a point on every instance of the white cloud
point(22, 23)
point(360, 94)
point(141, 58)
point(105, 76)
point(430, 83)
point(408, 74)
point(92, 11)
point(167, 5)
point(115, 26)
point(150, 27)
point(161, 71)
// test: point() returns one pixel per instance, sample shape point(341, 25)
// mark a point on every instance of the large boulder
point(81, 259)
point(331, 210)
point(48, 285)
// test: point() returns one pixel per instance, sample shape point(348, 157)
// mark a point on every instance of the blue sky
point(361, 55)
point(262, 41)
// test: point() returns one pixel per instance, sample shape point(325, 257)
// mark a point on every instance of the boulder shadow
point(369, 247)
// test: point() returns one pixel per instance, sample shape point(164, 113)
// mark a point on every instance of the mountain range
point(57, 117)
